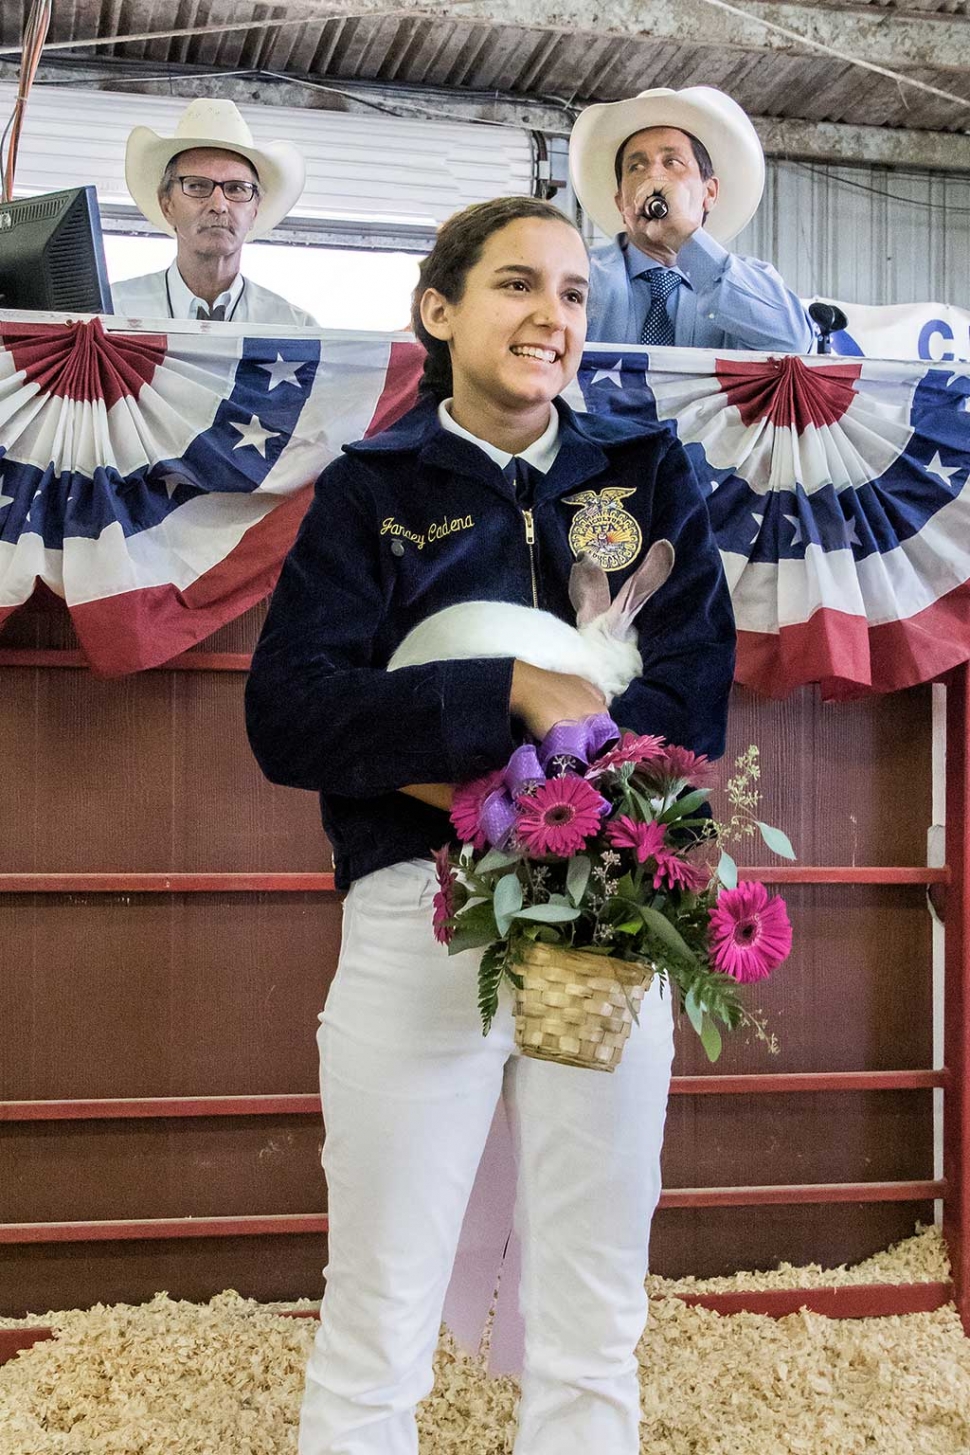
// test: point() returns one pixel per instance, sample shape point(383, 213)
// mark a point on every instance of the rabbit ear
point(589, 590)
point(646, 580)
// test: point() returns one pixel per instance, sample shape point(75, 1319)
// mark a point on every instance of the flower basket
point(574, 1007)
point(583, 871)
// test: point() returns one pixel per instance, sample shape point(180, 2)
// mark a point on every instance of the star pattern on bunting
point(945, 472)
point(284, 371)
point(796, 526)
point(612, 374)
point(254, 434)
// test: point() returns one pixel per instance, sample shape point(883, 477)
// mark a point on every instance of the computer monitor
point(51, 253)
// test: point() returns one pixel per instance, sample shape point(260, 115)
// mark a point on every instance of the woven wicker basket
point(575, 1008)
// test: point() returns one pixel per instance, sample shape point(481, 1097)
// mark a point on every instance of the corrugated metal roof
point(572, 68)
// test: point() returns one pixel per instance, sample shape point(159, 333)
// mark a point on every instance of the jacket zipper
point(530, 540)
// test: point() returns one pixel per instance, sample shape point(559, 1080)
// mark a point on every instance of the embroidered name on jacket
point(438, 530)
point(602, 529)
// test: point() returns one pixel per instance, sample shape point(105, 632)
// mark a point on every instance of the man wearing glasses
point(212, 189)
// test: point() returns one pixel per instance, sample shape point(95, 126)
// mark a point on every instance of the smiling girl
point(409, 1085)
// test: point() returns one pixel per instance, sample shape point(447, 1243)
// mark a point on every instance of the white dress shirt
point(166, 295)
point(540, 454)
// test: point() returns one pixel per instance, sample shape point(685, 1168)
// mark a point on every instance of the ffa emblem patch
point(603, 530)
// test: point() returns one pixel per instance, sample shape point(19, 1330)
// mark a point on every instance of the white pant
point(409, 1088)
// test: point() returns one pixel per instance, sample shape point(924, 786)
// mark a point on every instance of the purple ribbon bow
point(580, 741)
point(497, 815)
point(527, 766)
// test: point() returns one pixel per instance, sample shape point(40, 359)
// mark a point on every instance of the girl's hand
point(541, 698)
point(439, 795)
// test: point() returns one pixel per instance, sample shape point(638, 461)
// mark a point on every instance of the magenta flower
point(466, 807)
point(680, 765)
point(673, 872)
point(444, 900)
point(558, 817)
point(645, 839)
point(630, 749)
point(749, 932)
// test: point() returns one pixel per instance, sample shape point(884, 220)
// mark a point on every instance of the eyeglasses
point(233, 191)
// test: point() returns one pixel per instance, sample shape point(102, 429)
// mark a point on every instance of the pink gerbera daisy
point(558, 817)
point(466, 807)
point(679, 767)
point(750, 932)
point(673, 872)
point(645, 839)
point(444, 900)
point(630, 749)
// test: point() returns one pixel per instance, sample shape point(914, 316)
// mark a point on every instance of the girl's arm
point(541, 699)
point(319, 712)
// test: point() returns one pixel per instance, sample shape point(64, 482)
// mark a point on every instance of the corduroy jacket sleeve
point(686, 632)
point(320, 714)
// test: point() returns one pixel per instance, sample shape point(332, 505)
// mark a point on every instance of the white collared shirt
point(540, 454)
point(186, 304)
point(166, 295)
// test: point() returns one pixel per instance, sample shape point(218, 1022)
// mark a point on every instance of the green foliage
point(490, 973)
point(777, 841)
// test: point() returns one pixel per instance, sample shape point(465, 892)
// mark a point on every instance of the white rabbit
point(602, 646)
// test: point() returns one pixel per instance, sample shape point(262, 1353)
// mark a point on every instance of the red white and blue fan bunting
point(156, 481)
point(840, 500)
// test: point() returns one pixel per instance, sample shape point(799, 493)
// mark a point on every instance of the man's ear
point(165, 203)
point(712, 187)
point(435, 313)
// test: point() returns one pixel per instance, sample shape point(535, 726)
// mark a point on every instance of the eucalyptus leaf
point(664, 930)
point(710, 1039)
point(496, 859)
point(695, 1012)
point(548, 913)
point(577, 877)
point(777, 841)
point(505, 901)
point(471, 939)
point(727, 870)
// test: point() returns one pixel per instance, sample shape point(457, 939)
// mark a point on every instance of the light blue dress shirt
point(725, 301)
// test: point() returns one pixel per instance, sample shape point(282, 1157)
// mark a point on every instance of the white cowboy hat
point(211, 123)
point(716, 120)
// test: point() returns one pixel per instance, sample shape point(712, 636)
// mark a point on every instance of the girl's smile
point(516, 334)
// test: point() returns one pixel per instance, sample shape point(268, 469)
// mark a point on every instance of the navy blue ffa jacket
point(416, 519)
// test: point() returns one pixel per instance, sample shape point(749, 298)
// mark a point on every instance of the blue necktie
point(658, 326)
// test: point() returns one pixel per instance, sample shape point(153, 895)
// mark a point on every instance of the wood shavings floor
point(171, 1378)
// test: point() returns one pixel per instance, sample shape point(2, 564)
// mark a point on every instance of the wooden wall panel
point(61, 1275)
point(194, 994)
point(162, 995)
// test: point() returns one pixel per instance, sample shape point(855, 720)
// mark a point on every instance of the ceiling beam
point(895, 38)
point(899, 39)
point(797, 140)
point(876, 146)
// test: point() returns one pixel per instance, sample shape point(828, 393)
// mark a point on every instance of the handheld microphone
point(656, 207)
